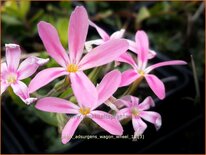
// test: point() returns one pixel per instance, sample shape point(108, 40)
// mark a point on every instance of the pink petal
point(166, 63)
point(53, 104)
point(107, 122)
point(13, 54)
point(123, 113)
point(29, 66)
point(78, 28)
point(138, 125)
point(133, 46)
point(4, 70)
point(118, 34)
point(127, 58)
point(50, 38)
point(21, 90)
point(101, 32)
point(143, 42)
point(88, 44)
point(4, 86)
point(70, 128)
point(44, 77)
point(146, 104)
point(152, 117)
point(151, 54)
point(128, 77)
point(84, 90)
point(108, 86)
point(156, 85)
point(104, 54)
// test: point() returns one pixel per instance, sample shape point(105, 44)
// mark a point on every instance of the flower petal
point(29, 66)
point(21, 90)
point(45, 76)
point(123, 113)
point(50, 38)
point(127, 58)
point(131, 100)
point(101, 32)
point(152, 117)
point(108, 86)
point(88, 44)
point(118, 34)
point(78, 28)
point(84, 90)
point(4, 86)
point(58, 105)
point(104, 54)
point(13, 53)
point(151, 54)
point(128, 77)
point(70, 128)
point(139, 126)
point(107, 122)
point(166, 63)
point(156, 85)
point(143, 43)
point(146, 104)
point(4, 70)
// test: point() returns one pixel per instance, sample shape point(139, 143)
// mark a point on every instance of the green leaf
point(62, 26)
point(143, 14)
point(24, 7)
point(10, 20)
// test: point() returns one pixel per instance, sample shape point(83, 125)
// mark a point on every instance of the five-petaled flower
point(89, 98)
point(140, 68)
point(72, 64)
point(12, 72)
point(137, 111)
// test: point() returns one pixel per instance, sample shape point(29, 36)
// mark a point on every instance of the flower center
point(141, 72)
point(135, 111)
point(84, 111)
point(72, 68)
point(11, 78)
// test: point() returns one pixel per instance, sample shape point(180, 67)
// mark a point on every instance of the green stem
point(94, 74)
point(132, 88)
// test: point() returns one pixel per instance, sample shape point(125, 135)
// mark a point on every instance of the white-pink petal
point(70, 128)
point(152, 117)
point(50, 38)
point(128, 77)
point(44, 77)
point(88, 44)
point(123, 113)
point(58, 105)
point(146, 104)
point(4, 86)
point(21, 90)
point(139, 126)
point(77, 32)
point(118, 34)
point(107, 122)
point(29, 66)
point(166, 63)
point(101, 32)
point(127, 58)
point(104, 54)
point(108, 86)
point(156, 85)
point(84, 90)
point(13, 53)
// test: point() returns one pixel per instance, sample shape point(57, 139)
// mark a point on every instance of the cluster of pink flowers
point(73, 64)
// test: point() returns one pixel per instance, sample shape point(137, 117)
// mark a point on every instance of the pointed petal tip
point(11, 45)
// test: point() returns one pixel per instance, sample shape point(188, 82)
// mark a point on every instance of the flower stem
point(132, 88)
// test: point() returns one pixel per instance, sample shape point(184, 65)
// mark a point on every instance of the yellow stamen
point(135, 111)
point(141, 72)
point(84, 111)
point(72, 68)
point(11, 78)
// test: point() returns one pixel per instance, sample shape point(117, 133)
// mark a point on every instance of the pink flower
point(12, 72)
point(140, 69)
point(72, 64)
point(89, 98)
point(104, 35)
point(137, 112)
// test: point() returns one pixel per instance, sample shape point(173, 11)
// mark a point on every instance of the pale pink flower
point(104, 35)
point(89, 98)
point(12, 73)
point(140, 68)
point(72, 64)
point(137, 112)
